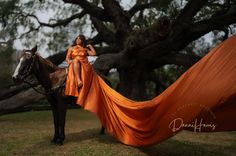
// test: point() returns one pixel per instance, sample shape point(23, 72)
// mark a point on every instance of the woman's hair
point(83, 40)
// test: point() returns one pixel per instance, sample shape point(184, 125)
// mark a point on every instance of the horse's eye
point(27, 56)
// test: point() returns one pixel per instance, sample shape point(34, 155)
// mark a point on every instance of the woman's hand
point(69, 61)
point(91, 50)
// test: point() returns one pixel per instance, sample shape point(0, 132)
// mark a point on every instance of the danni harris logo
point(196, 125)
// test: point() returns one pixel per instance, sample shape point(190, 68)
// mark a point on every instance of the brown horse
point(51, 78)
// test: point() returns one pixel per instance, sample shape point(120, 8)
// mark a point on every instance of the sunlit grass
point(30, 133)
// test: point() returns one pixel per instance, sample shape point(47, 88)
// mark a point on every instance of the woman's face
point(78, 41)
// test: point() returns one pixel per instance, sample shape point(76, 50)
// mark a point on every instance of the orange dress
point(72, 88)
point(202, 99)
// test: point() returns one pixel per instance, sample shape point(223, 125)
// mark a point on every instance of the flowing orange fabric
point(202, 99)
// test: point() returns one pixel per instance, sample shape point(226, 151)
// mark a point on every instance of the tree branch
point(107, 61)
point(139, 7)
point(63, 22)
point(178, 59)
point(177, 42)
point(114, 9)
point(95, 40)
point(119, 18)
point(189, 11)
point(106, 50)
point(91, 9)
point(26, 33)
point(142, 38)
point(23, 98)
point(199, 29)
point(58, 58)
point(107, 35)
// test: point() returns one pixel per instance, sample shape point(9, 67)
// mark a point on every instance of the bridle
point(27, 73)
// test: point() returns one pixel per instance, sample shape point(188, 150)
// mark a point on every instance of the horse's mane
point(48, 63)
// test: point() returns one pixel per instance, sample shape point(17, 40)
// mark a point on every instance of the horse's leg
point(55, 118)
point(62, 107)
point(56, 125)
point(102, 131)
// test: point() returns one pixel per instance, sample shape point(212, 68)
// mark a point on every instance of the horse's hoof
point(57, 141)
point(54, 140)
point(102, 131)
point(60, 143)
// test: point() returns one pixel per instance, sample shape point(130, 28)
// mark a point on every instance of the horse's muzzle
point(16, 79)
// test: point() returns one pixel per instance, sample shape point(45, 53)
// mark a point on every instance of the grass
point(29, 133)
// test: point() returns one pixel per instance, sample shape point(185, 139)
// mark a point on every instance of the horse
point(51, 77)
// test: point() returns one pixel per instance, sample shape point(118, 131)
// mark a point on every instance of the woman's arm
point(91, 50)
point(68, 56)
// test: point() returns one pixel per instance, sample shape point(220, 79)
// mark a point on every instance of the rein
point(40, 92)
point(32, 86)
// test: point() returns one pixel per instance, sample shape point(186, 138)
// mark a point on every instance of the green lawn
point(30, 133)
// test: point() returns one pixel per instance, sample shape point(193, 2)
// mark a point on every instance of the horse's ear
point(34, 50)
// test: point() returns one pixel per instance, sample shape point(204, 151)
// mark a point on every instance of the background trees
point(149, 42)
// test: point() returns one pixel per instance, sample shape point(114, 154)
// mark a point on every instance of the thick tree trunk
point(13, 90)
point(132, 83)
point(21, 99)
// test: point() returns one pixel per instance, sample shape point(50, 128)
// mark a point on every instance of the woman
point(202, 99)
point(76, 54)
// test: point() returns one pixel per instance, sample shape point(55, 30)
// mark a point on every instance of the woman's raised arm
point(91, 50)
point(68, 55)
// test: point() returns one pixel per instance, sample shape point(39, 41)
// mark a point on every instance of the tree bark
point(132, 83)
point(21, 99)
point(6, 93)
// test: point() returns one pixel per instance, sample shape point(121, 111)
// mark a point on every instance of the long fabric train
point(202, 99)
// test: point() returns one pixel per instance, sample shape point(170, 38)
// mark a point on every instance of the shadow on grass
point(170, 147)
point(183, 148)
point(44, 146)
point(89, 134)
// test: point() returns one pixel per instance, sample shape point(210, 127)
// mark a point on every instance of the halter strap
point(32, 85)
point(27, 73)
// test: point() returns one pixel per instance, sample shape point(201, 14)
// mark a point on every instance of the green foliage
point(18, 22)
point(6, 8)
point(6, 66)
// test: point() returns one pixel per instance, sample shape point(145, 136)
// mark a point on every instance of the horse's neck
point(42, 71)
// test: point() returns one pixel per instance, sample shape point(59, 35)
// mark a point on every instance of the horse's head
point(25, 65)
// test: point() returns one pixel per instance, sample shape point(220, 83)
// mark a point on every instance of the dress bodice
point(78, 51)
